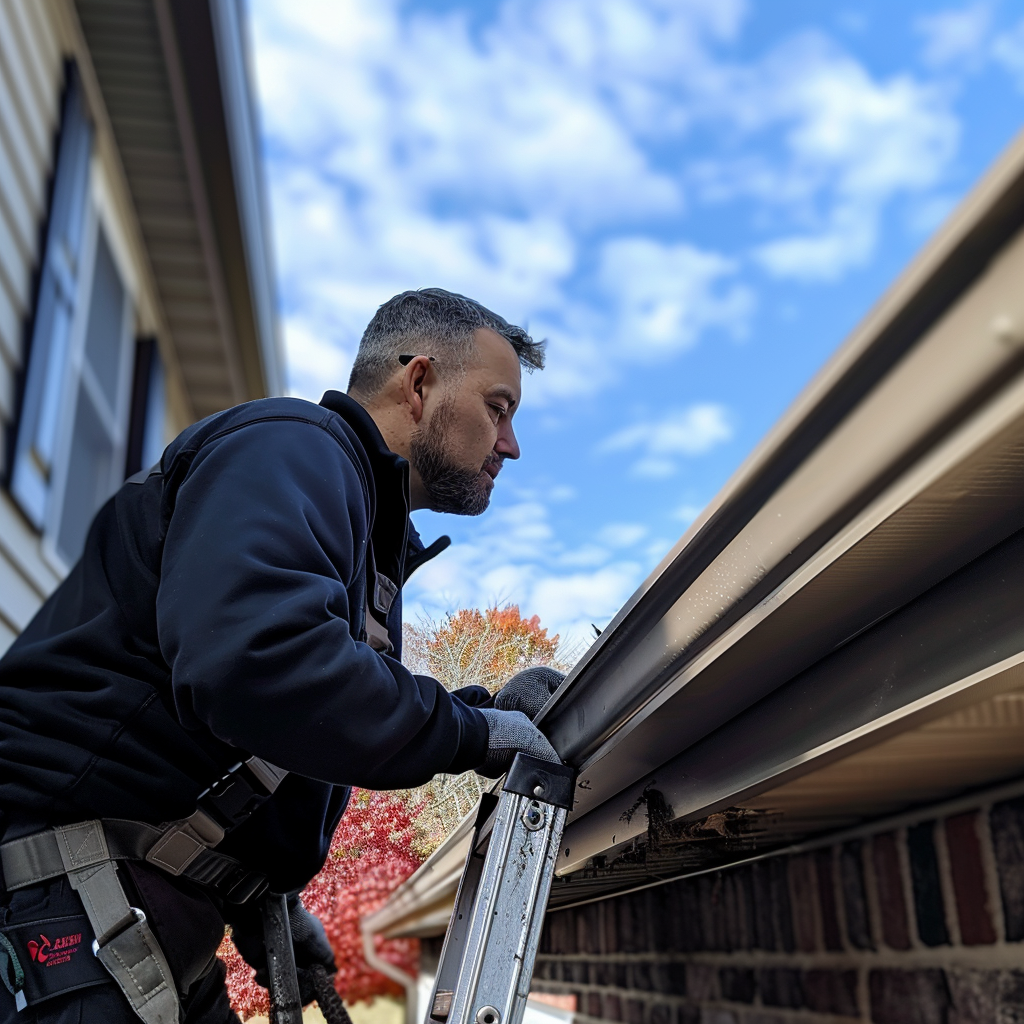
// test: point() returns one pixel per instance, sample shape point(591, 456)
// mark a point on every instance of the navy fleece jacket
point(219, 607)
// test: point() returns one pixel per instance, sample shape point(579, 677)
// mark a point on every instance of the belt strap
point(182, 847)
point(37, 858)
point(124, 944)
point(87, 851)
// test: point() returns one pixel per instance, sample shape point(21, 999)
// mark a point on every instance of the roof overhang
point(176, 87)
point(832, 596)
point(837, 637)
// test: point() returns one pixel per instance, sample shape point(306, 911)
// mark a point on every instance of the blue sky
point(695, 201)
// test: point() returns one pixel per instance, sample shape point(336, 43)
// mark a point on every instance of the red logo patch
point(53, 953)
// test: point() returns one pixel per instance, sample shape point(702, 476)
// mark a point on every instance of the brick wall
point(920, 924)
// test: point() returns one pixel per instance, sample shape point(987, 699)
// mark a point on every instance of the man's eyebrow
point(505, 392)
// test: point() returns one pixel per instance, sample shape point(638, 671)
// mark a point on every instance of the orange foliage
point(487, 647)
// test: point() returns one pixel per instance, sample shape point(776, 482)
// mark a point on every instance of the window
point(93, 455)
point(35, 447)
point(72, 444)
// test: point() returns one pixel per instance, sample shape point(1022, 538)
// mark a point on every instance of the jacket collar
point(397, 558)
point(383, 460)
point(390, 529)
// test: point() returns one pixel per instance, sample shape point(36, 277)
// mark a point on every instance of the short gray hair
point(431, 322)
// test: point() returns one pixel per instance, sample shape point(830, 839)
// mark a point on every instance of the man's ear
point(417, 379)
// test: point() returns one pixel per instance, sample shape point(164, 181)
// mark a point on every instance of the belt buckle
point(251, 884)
point(140, 918)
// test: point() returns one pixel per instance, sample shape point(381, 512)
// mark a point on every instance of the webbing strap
point(183, 847)
point(86, 852)
point(83, 850)
point(125, 944)
point(36, 858)
point(376, 634)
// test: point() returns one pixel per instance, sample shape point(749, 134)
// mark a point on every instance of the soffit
point(144, 80)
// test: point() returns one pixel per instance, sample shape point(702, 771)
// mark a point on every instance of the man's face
point(459, 450)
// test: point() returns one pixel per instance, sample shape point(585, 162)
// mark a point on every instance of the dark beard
point(450, 488)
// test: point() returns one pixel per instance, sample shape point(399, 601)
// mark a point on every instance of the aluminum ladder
point(487, 959)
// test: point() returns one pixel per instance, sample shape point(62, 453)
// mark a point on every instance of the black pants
point(47, 923)
point(206, 1003)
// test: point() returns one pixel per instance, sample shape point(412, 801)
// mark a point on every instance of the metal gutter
point(960, 642)
point(602, 693)
point(706, 637)
point(798, 663)
point(960, 500)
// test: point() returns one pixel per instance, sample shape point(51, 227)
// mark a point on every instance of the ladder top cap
point(547, 781)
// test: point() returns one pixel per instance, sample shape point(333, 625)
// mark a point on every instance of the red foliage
point(371, 854)
point(247, 998)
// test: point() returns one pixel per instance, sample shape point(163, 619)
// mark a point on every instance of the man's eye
point(500, 410)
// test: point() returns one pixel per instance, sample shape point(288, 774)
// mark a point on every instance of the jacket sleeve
point(269, 526)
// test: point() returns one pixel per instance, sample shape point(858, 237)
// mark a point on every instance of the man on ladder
point(180, 722)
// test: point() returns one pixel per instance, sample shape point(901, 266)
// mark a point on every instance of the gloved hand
point(510, 732)
point(528, 691)
point(309, 940)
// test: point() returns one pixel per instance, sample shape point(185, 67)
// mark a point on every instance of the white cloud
point(1008, 50)
point(854, 143)
point(687, 513)
point(407, 149)
point(588, 556)
point(315, 364)
point(823, 255)
point(871, 135)
point(515, 557)
point(418, 104)
point(827, 146)
point(621, 535)
point(585, 597)
point(690, 431)
point(955, 36)
point(668, 295)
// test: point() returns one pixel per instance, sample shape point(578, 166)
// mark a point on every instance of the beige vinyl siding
point(31, 75)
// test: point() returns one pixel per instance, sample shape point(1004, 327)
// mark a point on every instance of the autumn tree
point(373, 852)
point(470, 646)
point(485, 647)
point(383, 837)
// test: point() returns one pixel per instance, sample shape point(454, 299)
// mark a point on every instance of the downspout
point(389, 970)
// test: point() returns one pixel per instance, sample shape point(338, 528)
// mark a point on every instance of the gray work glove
point(528, 691)
point(510, 732)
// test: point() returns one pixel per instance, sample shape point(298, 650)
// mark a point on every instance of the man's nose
point(507, 446)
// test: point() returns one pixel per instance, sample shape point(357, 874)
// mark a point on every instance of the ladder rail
point(489, 950)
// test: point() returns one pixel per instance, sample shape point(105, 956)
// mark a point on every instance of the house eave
point(799, 663)
point(174, 83)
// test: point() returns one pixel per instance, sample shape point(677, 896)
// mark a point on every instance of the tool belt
point(87, 852)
